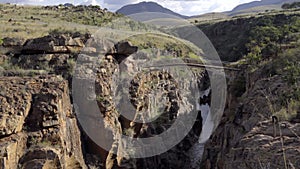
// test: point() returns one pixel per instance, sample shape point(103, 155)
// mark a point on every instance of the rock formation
point(248, 137)
point(43, 126)
point(106, 83)
point(38, 127)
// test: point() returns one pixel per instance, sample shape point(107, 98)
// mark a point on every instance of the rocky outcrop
point(13, 42)
point(258, 130)
point(52, 54)
point(41, 117)
point(54, 44)
point(104, 79)
point(38, 128)
point(97, 73)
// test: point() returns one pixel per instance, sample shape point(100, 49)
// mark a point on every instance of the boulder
point(104, 46)
point(12, 42)
point(125, 48)
point(53, 44)
point(100, 46)
point(39, 45)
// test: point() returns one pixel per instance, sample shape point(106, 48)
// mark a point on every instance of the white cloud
point(196, 7)
point(90, 2)
point(22, 1)
point(185, 7)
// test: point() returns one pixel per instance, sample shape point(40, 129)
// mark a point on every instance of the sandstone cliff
point(38, 126)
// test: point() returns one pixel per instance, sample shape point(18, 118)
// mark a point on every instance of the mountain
point(246, 8)
point(258, 6)
point(147, 7)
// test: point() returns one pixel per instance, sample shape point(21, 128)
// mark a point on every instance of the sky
point(184, 7)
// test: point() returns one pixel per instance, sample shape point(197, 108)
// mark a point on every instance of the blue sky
point(185, 7)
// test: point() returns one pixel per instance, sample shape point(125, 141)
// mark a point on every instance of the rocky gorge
point(58, 91)
point(50, 136)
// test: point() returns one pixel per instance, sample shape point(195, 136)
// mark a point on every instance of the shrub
point(290, 112)
point(71, 66)
point(290, 6)
point(61, 31)
point(291, 65)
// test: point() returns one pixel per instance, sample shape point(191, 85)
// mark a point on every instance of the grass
point(288, 113)
point(9, 68)
point(36, 21)
point(209, 18)
point(166, 44)
point(284, 112)
point(282, 115)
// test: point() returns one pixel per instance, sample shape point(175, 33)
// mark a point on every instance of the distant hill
point(147, 7)
point(258, 6)
point(209, 17)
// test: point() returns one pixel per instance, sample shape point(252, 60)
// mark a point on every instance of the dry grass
point(35, 21)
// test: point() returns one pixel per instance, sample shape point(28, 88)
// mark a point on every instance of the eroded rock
point(38, 128)
point(53, 44)
point(253, 132)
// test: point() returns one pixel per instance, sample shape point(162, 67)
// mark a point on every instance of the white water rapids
point(196, 152)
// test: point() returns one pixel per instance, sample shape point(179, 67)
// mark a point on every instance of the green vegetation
point(8, 66)
point(87, 15)
point(253, 37)
point(285, 65)
point(61, 30)
point(291, 5)
point(35, 21)
point(100, 99)
point(268, 48)
point(71, 66)
point(291, 66)
point(289, 112)
point(164, 46)
point(271, 38)
point(127, 24)
point(288, 66)
point(283, 60)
